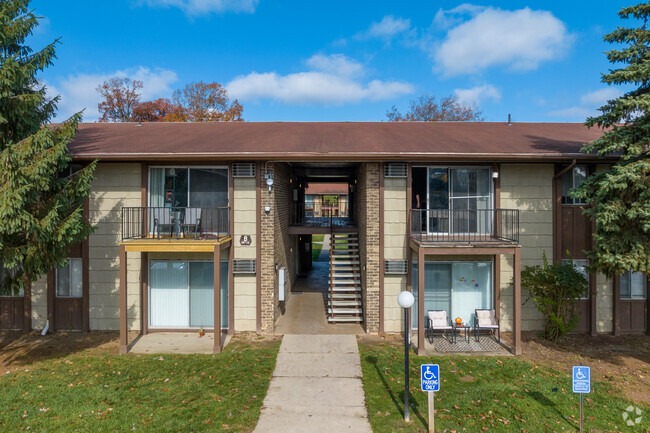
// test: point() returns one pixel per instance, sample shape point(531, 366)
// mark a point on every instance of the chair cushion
point(486, 318)
point(438, 319)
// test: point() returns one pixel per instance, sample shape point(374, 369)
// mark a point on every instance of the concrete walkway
point(316, 387)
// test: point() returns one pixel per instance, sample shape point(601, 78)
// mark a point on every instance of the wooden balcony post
point(217, 299)
point(124, 337)
point(516, 298)
point(421, 329)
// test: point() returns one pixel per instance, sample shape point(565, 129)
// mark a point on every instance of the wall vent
point(243, 266)
point(243, 169)
point(396, 170)
point(395, 267)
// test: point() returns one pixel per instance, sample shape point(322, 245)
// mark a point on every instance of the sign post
point(430, 382)
point(581, 384)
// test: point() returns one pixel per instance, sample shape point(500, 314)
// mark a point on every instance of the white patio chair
point(161, 217)
point(486, 319)
point(192, 219)
point(438, 321)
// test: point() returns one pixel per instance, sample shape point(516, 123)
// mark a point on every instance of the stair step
point(345, 311)
point(346, 262)
point(344, 296)
point(344, 282)
point(344, 303)
point(349, 244)
point(346, 289)
point(344, 275)
point(345, 319)
point(345, 256)
point(342, 252)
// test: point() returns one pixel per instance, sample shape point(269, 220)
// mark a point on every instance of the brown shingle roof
point(331, 140)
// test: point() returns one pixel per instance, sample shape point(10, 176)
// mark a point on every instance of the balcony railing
point(175, 222)
point(465, 225)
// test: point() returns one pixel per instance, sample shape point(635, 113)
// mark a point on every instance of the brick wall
point(367, 213)
point(276, 243)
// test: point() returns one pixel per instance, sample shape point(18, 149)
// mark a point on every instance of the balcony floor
point(175, 245)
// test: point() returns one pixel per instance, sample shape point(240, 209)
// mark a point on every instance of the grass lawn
point(316, 246)
point(88, 392)
point(495, 394)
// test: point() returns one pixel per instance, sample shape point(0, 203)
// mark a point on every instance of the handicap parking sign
point(430, 377)
point(581, 379)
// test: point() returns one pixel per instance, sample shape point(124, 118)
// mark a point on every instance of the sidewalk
point(316, 387)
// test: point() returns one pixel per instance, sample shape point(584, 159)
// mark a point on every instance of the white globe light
point(405, 299)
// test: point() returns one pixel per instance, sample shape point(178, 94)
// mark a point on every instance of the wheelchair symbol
point(580, 375)
point(428, 375)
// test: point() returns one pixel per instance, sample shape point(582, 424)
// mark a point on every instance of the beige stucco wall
point(115, 186)
point(529, 188)
point(395, 248)
point(604, 304)
point(245, 223)
point(39, 303)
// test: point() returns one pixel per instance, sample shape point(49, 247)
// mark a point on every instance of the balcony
point(465, 226)
point(180, 228)
point(319, 219)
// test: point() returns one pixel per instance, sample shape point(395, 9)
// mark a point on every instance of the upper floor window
point(633, 285)
point(69, 280)
point(205, 187)
point(572, 179)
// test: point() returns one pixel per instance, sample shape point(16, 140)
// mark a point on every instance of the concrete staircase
point(344, 301)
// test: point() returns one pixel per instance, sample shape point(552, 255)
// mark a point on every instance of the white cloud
point(589, 103)
point(198, 7)
point(387, 28)
point(332, 80)
point(520, 39)
point(477, 94)
point(79, 92)
point(600, 97)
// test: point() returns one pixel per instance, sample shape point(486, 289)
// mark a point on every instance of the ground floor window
point(633, 285)
point(456, 287)
point(5, 274)
point(181, 294)
point(69, 280)
point(580, 265)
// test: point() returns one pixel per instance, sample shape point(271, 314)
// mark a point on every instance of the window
point(69, 282)
point(633, 285)
point(3, 273)
point(456, 287)
point(572, 179)
point(580, 265)
point(205, 187)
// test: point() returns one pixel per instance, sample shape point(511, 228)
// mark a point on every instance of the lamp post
point(405, 300)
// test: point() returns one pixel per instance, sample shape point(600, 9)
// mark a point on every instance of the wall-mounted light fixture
point(495, 175)
point(268, 175)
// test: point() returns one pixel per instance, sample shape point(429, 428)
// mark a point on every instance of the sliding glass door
point(181, 294)
point(205, 187)
point(459, 288)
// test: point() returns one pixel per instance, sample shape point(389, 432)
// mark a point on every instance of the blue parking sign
point(581, 379)
point(430, 377)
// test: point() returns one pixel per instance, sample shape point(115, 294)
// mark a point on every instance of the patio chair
point(438, 321)
point(161, 217)
point(486, 319)
point(192, 219)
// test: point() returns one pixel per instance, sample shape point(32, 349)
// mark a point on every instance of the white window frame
point(56, 280)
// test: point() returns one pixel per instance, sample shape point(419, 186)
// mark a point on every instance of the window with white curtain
point(456, 287)
point(181, 294)
point(633, 285)
point(69, 280)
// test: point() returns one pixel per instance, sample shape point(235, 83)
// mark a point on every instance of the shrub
point(554, 289)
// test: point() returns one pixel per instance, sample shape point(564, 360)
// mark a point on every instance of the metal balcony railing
point(175, 222)
point(465, 225)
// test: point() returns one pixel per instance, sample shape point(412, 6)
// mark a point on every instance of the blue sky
point(338, 60)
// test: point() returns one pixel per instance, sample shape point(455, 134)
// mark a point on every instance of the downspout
point(573, 164)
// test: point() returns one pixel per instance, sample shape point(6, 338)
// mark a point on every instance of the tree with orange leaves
point(121, 95)
point(159, 110)
point(205, 102)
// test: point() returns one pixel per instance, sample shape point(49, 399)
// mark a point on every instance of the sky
point(540, 61)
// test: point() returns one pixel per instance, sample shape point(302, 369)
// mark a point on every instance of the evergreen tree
point(41, 202)
point(620, 197)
